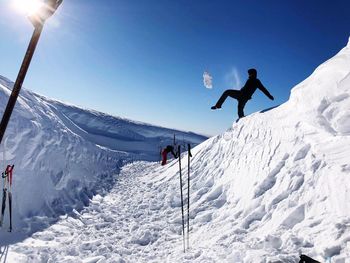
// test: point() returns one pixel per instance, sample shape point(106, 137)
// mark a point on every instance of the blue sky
point(144, 60)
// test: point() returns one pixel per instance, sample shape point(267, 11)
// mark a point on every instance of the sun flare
point(29, 7)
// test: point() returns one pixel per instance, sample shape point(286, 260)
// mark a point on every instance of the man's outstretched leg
point(227, 93)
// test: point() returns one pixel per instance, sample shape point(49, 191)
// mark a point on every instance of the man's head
point(252, 73)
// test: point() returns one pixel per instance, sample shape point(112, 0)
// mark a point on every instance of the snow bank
point(276, 184)
point(322, 98)
point(273, 186)
point(64, 154)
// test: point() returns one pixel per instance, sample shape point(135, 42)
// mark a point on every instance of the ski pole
point(4, 194)
point(10, 209)
point(3, 205)
point(9, 183)
point(188, 194)
point(182, 200)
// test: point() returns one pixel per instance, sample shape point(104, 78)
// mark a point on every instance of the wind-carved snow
point(64, 155)
point(273, 186)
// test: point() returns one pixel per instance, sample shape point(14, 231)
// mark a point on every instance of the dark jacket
point(250, 87)
point(170, 149)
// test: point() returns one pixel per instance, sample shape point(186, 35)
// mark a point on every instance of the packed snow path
point(62, 152)
point(133, 223)
point(140, 221)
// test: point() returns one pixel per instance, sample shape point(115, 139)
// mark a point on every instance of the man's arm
point(264, 90)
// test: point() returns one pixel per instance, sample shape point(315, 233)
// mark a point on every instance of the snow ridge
point(273, 186)
point(63, 155)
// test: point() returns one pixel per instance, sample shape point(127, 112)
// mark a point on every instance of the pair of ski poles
point(188, 197)
point(7, 191)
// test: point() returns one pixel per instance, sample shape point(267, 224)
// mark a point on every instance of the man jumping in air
point(245, 94)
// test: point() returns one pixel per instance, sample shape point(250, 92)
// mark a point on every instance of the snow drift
point(276, 184)
point(64, 154)
point(273, 186)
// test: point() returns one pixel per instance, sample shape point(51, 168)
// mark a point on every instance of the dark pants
point(236, 94)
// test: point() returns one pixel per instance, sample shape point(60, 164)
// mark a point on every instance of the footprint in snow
point(200, 193)
point(301, 154)
point(270, 180)
point(296, 216)
point(214, 194)
point(257, 215)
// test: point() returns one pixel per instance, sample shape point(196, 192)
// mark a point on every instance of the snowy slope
point(276, 183)
point(119, 133)
point(273, 186)
point(64, 154)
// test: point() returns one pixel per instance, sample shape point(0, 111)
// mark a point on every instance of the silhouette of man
point(245, 94)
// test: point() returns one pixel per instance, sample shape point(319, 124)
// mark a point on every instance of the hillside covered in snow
point(273, 186)
point(63, 154)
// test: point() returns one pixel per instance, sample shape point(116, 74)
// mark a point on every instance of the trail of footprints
point(128, 224)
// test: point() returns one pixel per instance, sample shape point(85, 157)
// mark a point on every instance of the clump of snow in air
point(207, 80)
point(273, 186)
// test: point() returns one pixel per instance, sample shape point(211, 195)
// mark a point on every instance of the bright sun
point(28, 7)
